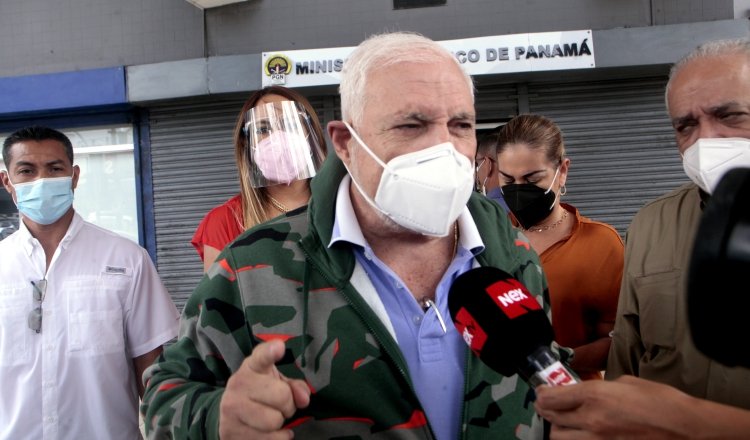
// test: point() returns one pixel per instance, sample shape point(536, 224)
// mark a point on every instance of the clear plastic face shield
point(282, 144)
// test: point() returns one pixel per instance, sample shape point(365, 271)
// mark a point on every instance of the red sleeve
point(220, 226)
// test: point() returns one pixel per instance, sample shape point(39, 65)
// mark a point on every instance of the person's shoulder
point(662, 217)
point(603, 233)
point(234, 203)
point(482, 207)
point(673, 200)
point(99, 237)
point(230, 208)
point(492, 222)
point(687, 189)
point(593, 235)
point(289, 226)
point(599, 229)
point(10, 243)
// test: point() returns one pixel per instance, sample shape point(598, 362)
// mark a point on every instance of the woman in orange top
point(582, 258)
point(278, 146)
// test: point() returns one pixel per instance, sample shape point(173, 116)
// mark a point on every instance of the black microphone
point(720, 261)
point(505, 326)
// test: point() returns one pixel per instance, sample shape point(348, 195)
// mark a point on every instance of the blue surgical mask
point(44, 201)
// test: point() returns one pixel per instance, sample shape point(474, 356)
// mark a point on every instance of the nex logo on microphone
point(473, 334)
point(512, 298)
point(559, 376)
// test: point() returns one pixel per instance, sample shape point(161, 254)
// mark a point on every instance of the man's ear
point(340, 137)
point(494, 170)
point(76, 175)
point(5, 181)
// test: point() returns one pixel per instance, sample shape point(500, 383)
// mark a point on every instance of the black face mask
point(528, 203)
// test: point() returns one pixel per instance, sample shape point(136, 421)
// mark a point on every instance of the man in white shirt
point(82, 310)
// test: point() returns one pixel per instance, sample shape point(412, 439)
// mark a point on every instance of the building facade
point(149, 91)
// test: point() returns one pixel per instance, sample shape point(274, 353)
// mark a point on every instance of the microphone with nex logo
point(506, 327)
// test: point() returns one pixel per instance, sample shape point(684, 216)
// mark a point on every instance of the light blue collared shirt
point(434, 351)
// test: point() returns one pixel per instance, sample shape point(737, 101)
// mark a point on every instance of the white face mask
point(707, 160)
point(424, 191)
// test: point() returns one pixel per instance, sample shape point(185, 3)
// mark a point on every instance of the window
point(106, 192)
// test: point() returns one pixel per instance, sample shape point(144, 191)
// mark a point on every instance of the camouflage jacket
point(279, 280)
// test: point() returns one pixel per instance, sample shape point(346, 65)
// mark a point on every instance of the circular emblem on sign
point(277, 64)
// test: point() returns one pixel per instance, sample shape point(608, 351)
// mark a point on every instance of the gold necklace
point(278, 205)
point(551, 225)
point(455, 239)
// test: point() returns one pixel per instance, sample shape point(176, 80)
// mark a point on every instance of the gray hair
point(380, 51)
point(736, 46)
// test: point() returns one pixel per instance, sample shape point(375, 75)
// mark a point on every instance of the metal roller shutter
point(193, 171)
point(619, 140)
point(495, 104)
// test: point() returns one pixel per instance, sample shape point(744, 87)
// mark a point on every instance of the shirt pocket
point(15, 334)
point(95, 314)
point(657, 304)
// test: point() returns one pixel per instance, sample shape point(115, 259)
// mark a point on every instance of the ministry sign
point(479, 56)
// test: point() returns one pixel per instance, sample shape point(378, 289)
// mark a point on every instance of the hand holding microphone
point(505, 326)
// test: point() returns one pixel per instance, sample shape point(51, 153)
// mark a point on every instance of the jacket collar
point(338, 260)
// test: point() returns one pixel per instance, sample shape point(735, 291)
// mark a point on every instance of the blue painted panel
point(65, 90)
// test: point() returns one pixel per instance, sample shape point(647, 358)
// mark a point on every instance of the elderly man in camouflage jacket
point(330, 321)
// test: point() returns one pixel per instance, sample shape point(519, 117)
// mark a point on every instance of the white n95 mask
point(424, 191)
point(707, 160)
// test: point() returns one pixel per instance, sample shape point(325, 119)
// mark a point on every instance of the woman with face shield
point(582, 258)
point(279, 145)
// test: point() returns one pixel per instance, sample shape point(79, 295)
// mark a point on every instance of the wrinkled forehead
point(711, 81)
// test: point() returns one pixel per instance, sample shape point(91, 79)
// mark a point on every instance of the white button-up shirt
point(104, 305)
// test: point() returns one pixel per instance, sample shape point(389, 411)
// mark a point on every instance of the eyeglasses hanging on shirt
point(39, 290)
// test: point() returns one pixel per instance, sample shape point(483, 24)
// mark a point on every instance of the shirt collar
point(346, 228)
point(28, 242)
point(75, 225)
point(345, 225)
